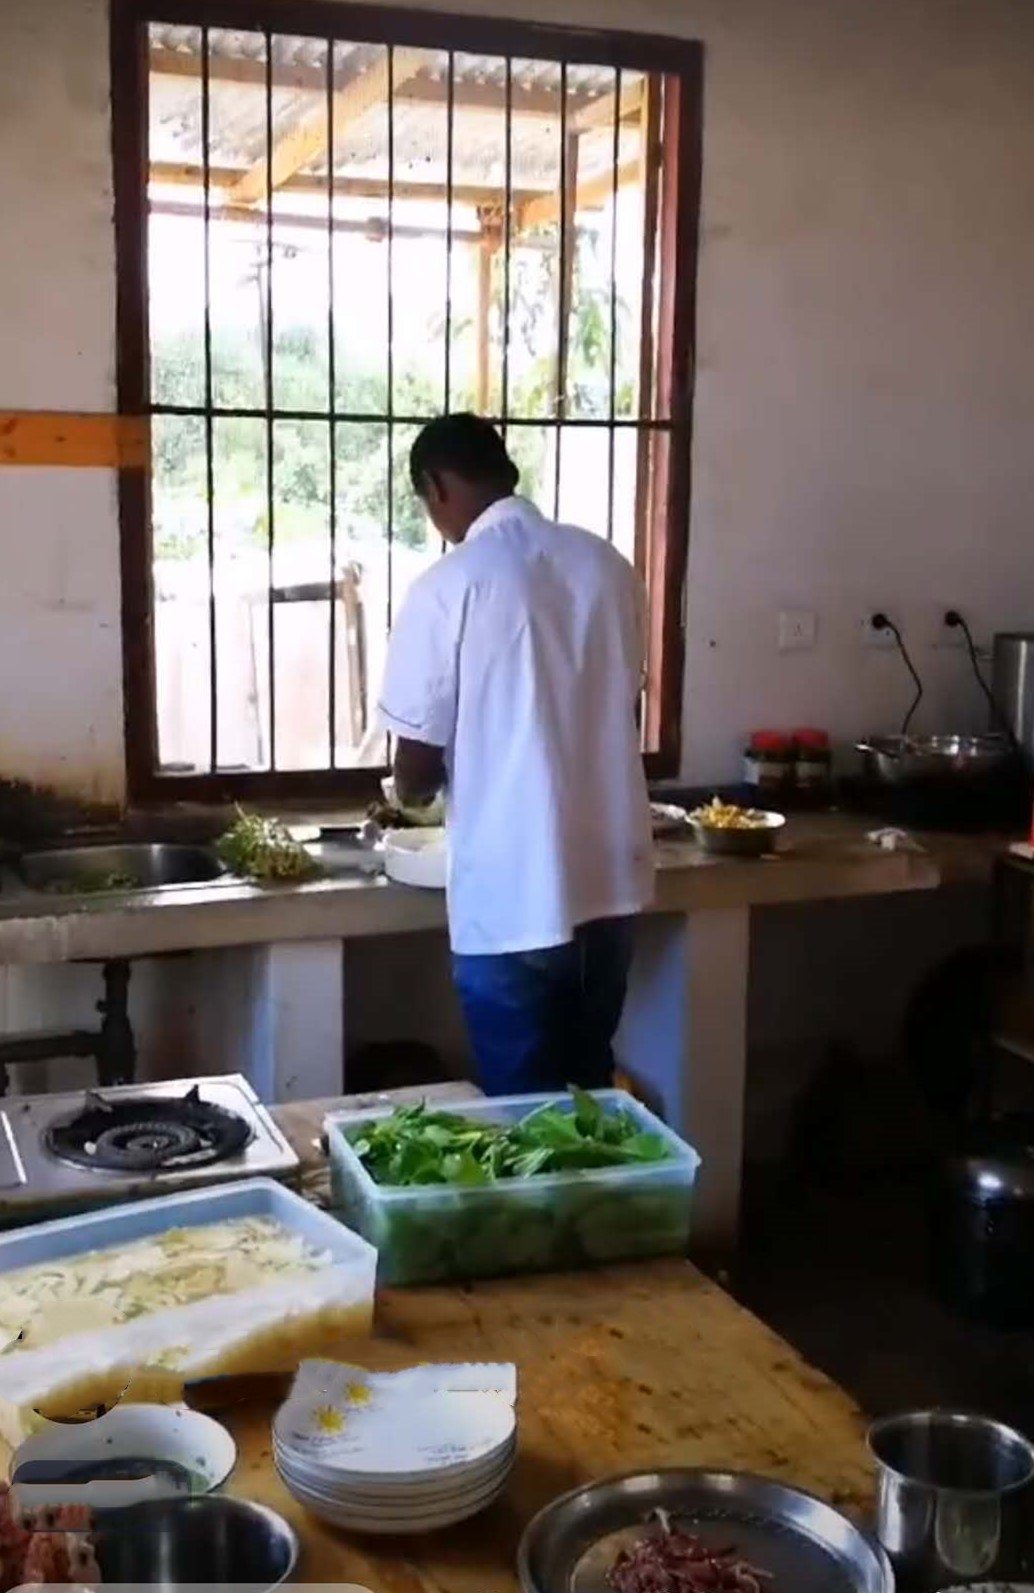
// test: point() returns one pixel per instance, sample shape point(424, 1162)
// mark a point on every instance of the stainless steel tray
point(805, 1545)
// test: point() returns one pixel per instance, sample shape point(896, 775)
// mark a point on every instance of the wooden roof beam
point(374, 228)
point(600, 112)
point(300, 145)
point(223, 179)
point(592, 194)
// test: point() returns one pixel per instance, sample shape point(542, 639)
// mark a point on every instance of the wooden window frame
point(665, 556)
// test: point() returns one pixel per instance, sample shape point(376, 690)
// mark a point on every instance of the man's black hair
point(467, 445)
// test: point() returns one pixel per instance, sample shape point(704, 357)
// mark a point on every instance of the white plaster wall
point(865, 409)
point(60, 647)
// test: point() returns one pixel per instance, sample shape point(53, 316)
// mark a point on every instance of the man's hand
point(419, 772)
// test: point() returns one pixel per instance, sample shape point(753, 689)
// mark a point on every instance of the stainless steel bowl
point(904, 760)
point(953, 1495)
point(211, 1542)
point(739, 843)
point(805, 1545)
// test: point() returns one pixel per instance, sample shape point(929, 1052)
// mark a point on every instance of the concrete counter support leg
point(298, 1032)
point(684, 1036)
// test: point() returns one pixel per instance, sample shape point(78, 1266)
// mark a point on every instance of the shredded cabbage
point(104, 1288)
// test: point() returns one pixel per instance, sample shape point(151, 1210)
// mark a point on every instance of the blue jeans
point(541, 1020)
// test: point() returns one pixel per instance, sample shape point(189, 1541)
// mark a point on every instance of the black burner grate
point(151, 1134)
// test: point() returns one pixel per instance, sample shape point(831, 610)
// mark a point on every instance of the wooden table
point(636, 1366)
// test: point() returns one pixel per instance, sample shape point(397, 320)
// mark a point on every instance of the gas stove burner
point(152, 1134)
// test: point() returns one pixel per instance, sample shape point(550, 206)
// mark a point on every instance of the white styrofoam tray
point(191, 1339)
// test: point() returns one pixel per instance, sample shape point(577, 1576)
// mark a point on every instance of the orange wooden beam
point(39, 437)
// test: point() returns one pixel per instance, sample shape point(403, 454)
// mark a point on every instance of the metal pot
point(952, 1497)
point(982, 1225)
point(212, 1542)
point(906, 760)
point(1012, 687)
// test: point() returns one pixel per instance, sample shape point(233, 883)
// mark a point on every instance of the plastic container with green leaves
point(519, 1215)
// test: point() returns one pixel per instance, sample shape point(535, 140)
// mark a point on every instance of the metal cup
point(951, 1497)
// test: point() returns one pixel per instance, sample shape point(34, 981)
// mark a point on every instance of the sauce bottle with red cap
point(768, 763)
point(813, 761)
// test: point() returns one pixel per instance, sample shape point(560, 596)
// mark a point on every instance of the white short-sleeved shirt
point(521, 654)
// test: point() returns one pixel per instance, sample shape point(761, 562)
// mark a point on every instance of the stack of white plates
point(406, 1452)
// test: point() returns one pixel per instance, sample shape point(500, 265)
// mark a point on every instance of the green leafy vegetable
point(263, 849)
point(469, 1198)
point(92, 884)
point(418, 1146)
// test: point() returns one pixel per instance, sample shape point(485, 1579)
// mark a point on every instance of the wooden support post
point(349, 592)
point(566, 285)
point(485, 252)
point(683, 1039)
point(490, 220)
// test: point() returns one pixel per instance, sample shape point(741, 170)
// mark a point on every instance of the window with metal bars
point(334, 222)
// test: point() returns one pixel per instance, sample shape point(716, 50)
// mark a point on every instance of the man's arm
point(419, 772)
point(418, 697)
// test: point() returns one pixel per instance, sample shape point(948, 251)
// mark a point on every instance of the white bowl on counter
point(417, 857)
point(130, 1454)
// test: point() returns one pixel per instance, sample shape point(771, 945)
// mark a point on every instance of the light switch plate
point(798, 628)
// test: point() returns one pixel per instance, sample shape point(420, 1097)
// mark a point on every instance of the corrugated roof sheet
point(237, 110)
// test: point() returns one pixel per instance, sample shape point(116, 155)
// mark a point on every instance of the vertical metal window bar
point(331, 406)
point(615, 158)
point(391, 323)
point(504, 395)
point(450, 96)
point(206, 159)
point(563, 296)
point(268, 373)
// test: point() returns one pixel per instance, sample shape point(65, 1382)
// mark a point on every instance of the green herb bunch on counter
point(264, 850)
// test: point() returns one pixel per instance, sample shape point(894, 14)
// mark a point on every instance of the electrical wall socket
point(940, 635)
point(870, 636)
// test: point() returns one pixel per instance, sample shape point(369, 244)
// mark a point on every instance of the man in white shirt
point(513, 675)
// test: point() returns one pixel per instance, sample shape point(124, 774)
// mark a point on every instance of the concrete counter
point(824, 856)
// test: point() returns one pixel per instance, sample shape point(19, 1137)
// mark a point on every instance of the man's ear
point(435, 490)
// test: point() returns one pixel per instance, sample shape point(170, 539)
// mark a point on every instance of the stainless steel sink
point(114, 870)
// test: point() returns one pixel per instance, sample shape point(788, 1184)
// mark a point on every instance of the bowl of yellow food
point(731, 831)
